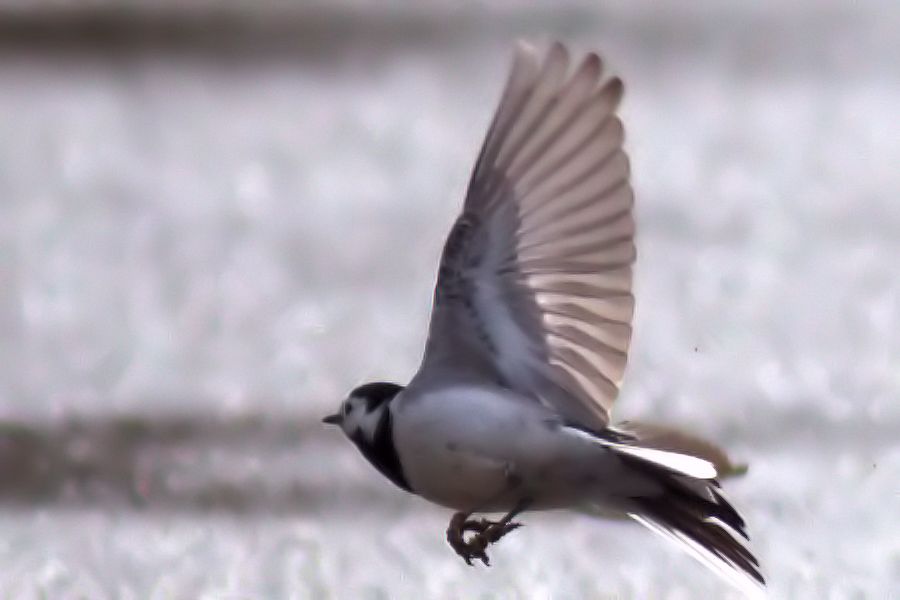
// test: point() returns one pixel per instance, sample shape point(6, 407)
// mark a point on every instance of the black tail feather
point(695, 513)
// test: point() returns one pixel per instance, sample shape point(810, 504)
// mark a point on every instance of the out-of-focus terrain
point(215, 219)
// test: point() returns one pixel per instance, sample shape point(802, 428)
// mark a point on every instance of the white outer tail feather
point(686, 464)
point(723, 568)
point(692, 466)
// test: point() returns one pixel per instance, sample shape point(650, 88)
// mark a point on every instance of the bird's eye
point(348, 408)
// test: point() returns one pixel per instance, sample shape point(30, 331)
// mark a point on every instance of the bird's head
point(362, 411)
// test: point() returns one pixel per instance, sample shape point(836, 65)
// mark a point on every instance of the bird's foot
point(486, 533)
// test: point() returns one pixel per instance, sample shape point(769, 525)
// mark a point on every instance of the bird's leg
point(477, 525)
point(486, 532)
point(495, 530)
point(459, 524)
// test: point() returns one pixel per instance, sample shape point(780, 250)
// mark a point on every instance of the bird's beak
point(332, 419)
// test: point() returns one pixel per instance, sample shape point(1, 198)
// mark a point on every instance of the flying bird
point(528, 341)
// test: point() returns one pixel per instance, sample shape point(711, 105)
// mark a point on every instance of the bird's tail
point(692, 512)
point(665, 437)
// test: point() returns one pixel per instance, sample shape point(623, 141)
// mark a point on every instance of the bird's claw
point(486, 533)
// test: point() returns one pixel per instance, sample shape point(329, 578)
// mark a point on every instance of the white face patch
point(356, 419)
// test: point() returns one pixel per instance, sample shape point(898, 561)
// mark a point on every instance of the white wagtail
point(528, 341)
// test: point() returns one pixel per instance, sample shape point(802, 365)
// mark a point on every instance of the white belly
point(475, 449)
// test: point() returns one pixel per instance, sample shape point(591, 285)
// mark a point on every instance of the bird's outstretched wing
point(534, 287)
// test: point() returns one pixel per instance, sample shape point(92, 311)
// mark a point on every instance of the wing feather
point(535, 283)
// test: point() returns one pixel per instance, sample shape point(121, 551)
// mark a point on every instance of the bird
point(528, 341)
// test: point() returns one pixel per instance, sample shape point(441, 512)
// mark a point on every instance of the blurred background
point(218, 217)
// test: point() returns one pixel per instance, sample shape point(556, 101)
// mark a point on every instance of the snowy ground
point(207, 238)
